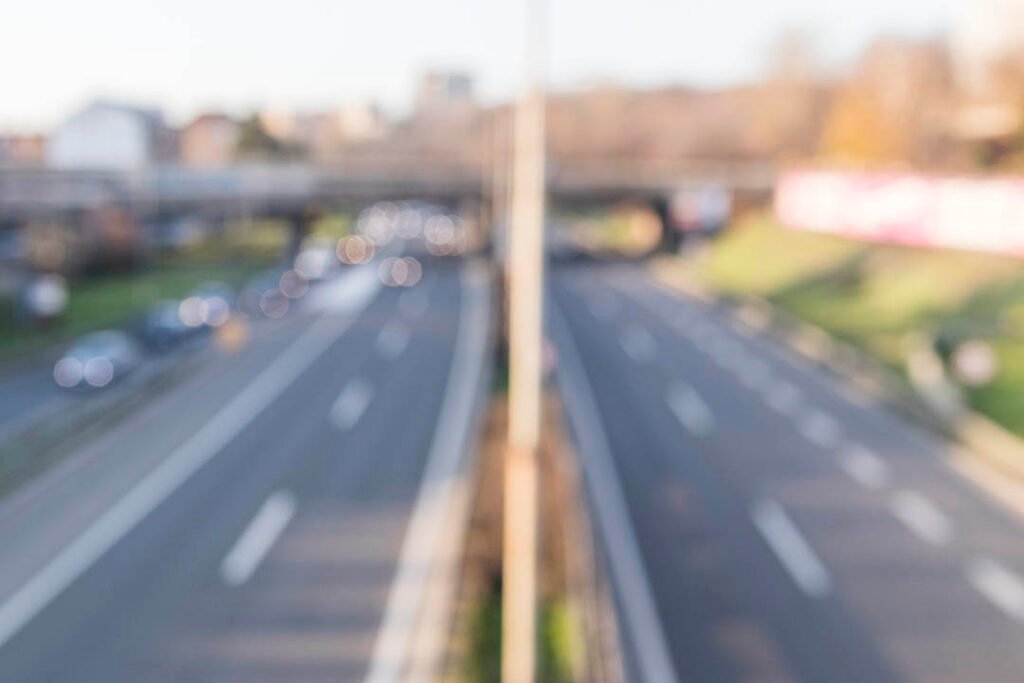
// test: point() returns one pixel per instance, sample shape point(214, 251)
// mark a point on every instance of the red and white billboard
point(982, 214)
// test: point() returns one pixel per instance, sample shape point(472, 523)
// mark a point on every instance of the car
point(97, 359)
point(316, 259)
point(261, 296)
point(208, 306)
point(162, 328)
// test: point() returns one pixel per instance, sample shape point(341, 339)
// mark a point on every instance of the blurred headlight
point(99, 372)
point(192, 311)
point(215, 311)
point(293, 284)
point(68, 372)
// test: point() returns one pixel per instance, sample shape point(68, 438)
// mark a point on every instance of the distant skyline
point(188, 56)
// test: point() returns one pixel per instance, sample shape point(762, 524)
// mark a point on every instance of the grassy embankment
point(111, 300)
point(879, 297)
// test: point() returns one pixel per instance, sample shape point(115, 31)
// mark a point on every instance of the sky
point(239, 55)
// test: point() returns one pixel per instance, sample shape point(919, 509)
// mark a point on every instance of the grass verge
point(475, 649)
point(112, 300)
point(878, 297)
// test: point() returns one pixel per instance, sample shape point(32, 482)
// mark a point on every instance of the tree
point(255, 142)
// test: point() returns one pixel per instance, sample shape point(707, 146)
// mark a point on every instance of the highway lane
point(786, 527)
point(275, 556)
point(30, 392)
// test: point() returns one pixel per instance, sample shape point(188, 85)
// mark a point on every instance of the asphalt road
point(761, 520)
point(251, 525)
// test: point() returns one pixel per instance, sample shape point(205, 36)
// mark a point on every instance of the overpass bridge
point(33, 192)
point(292, 190)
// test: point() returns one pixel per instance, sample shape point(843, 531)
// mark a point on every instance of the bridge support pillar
point(671, 236)
point(299, 225)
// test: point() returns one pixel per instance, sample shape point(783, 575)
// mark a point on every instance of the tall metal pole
point(525, 291)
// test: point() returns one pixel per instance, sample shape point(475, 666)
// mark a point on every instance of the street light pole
point(525, 303)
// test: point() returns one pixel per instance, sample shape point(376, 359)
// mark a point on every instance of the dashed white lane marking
point(705, 337)
point(602, 305)
point(820, 429)
point(755, 374)
point(864, 467)
point(1000, 586)
point(414, 302)
point(796, 556)
point(258, 538)
point(922, 517)
point(784, 398)
point(691, 410)
point(392, 340)
point(638, 344)
point(351, 404)
point(855, 396)
point(729, 354)
point(742, 328)
point(199, 448)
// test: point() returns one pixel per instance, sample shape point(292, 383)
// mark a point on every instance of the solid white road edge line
point(612, 516)
point(258, 538)
point(77, 557)
point(795, 554)
point(425, 528)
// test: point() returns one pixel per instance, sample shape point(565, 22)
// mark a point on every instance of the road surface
point(761, 520)
point(251, 524)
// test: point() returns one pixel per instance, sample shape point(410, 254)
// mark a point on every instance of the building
point(209, 141)
point(281, 124)
point(110, 135)
point(326, 135)
point(323, 136)
point(22, 150)
point(441, 91)
point(987, 46)
point(986, 32)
